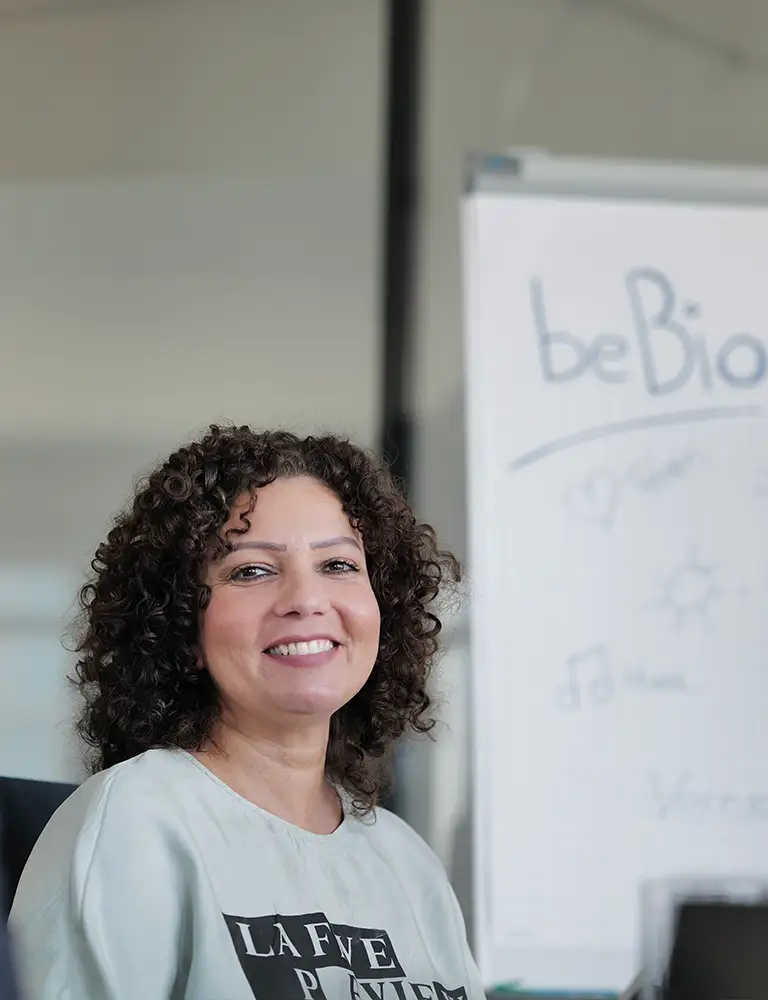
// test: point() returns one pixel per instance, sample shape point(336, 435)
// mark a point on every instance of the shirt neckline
point(297, 831)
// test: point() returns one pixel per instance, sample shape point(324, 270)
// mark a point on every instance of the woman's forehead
point(297, 506)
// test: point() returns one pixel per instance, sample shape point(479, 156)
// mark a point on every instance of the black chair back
point(25, 808)
point(8, 984)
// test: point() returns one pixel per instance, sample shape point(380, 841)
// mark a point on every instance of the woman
point(257, 634)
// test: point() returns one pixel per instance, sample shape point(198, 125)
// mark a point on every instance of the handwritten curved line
point(627, 427)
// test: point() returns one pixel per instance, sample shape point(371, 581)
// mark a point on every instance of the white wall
point(632, 78)
point(189, 230)
point(189, 191)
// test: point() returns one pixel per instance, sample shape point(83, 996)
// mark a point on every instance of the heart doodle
point(596, 498)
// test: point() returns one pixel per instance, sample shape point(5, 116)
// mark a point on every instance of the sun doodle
point(688, 591)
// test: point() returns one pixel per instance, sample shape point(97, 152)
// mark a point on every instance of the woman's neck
point(281, 773)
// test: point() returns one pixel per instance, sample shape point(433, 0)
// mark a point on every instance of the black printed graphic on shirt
point(283, 958)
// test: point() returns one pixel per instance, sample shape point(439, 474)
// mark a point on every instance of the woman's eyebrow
point(326, 543)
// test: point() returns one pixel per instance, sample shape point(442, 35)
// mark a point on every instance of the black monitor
point(720, 952)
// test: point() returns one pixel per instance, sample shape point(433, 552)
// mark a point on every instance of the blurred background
point(248, 210)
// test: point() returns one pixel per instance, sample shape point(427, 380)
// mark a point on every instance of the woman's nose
point(303, 593)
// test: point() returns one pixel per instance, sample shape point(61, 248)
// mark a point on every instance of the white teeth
point(302, 648)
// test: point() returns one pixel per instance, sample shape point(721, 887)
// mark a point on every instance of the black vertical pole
point(401, 152)
point(400, 230)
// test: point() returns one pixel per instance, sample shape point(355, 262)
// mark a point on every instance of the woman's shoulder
point(124, 791)
point(105, 813)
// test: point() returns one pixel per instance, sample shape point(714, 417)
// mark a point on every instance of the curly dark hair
point(137, 631)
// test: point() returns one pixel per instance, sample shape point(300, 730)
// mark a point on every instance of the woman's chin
point(321, 703)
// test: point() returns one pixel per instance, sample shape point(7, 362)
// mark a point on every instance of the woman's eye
point(340, 566)
point(249, 572)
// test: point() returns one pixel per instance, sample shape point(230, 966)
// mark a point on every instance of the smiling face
point(292, 627)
